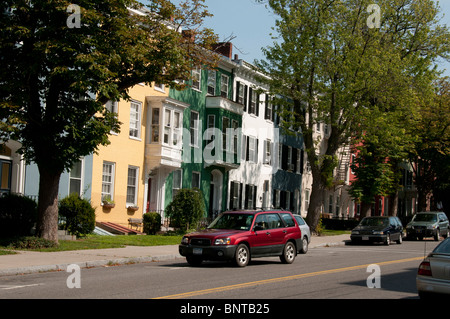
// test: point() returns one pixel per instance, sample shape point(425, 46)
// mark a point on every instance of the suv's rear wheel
point(288, 255)
point(242, 256)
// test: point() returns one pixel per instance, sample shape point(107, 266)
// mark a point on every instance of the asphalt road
point(339, 272)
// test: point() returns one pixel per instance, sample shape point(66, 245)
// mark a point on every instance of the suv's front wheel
point(242, 256)
point(288, 255)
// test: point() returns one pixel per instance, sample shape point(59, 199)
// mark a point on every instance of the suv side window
point(288, 220)
point(274, 221)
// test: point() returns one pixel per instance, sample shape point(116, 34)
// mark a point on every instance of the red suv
point(241, 235)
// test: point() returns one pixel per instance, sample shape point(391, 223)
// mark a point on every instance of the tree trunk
point(393, 202)
point(365, 210)
point(315, 204)
point(47, 223)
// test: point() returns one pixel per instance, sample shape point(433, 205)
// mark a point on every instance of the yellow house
point(119, 170)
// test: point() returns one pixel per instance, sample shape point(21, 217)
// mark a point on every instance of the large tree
point(61, 61)
point(336, 59)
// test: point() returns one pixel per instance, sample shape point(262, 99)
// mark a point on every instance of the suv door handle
point(284, 231)
point(268, 233)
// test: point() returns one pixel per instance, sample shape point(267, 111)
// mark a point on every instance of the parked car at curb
point(384, 229)
point(433, 275)
point(428, 224)
point(241, 235)
point(306, 233)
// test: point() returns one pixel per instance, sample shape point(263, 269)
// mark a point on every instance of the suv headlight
point(355, 232)
point(432, 226)
point(185, 240)
point(222, 241)
point(379, 232)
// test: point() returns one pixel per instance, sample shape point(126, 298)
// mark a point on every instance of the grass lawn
point(100, 242)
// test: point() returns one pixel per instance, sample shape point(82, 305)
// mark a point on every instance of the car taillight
point(424, 269)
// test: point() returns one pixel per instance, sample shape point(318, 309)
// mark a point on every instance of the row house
point(219, 135)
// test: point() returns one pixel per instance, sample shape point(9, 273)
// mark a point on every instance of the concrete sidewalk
point(31, 262)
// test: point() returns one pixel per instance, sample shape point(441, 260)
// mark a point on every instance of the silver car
point(433, 276)
point(428, 224)
point(306, 233)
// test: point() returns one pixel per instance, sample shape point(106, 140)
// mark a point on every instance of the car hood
point(421, 223)
point(212, 233)
point(374, 228)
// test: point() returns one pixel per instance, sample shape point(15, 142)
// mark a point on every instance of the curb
point(87, 264)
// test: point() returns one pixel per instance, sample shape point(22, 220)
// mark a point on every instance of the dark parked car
point(433, 275)
point(239, 236)
point(378, 229)
point(428, 224)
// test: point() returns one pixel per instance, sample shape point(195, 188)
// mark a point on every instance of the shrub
point(79, 215)
point(18, 214)
point(186, 208)
point(31, 243)
point(152, 223)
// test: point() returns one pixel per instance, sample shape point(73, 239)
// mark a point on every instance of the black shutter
point(254, 197)
point(238, 84)
point(302, 156)
point(294, 159)
point(246, 196)
point(232, 195)
point(247, 148)
point(240, 195)
point(245, 97)
point(257, 104)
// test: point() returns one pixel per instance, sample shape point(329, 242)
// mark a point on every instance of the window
point(225, 126)
point(108, 180)
point(235, 125)
point(135, 119)
point(235, 195)
point(290, 166)
point(132, 186)
point(250, 197)
point(195, 180)
point(288, 220)
point(241, 93)
point(252, 149)
point(288, 200)
point(268, 110)
point(224, 86)
point(194, 128)
point(268, 221)
point(330, 204)
point(254, 100)
point(155, 126)
point(267, 152)
point(176, 184)
point(159, 87)
point(172, 123)
point(196, 78)
point(75, 181)
point(211, 82)
point(5, 176)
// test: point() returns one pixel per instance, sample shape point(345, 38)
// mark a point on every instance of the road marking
point(17, 287)
point(280, 279)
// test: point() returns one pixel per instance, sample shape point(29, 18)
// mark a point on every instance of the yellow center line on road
point(280, 279)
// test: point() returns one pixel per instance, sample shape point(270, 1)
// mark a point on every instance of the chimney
point(224, 48)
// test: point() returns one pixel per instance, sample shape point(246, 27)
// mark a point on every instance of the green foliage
point(152, 223)
point(31, 243)
point(186, 208)
point(79, 215)
point(18, 215)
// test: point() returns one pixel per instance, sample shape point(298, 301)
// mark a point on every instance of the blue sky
point(251, 25)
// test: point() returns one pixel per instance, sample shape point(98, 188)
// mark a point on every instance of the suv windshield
point(232, 221)
point(375, 222)
point(425, 218)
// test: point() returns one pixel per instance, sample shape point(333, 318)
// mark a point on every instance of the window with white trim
point(211, 82)
point(196, 78)
point(75, 178)
point(108, 180)
point(224, 79)
point(194, 124)
point(155, 125)
point(135, 119)
point(195, 180)
point(132, 185)
point(176, 182)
